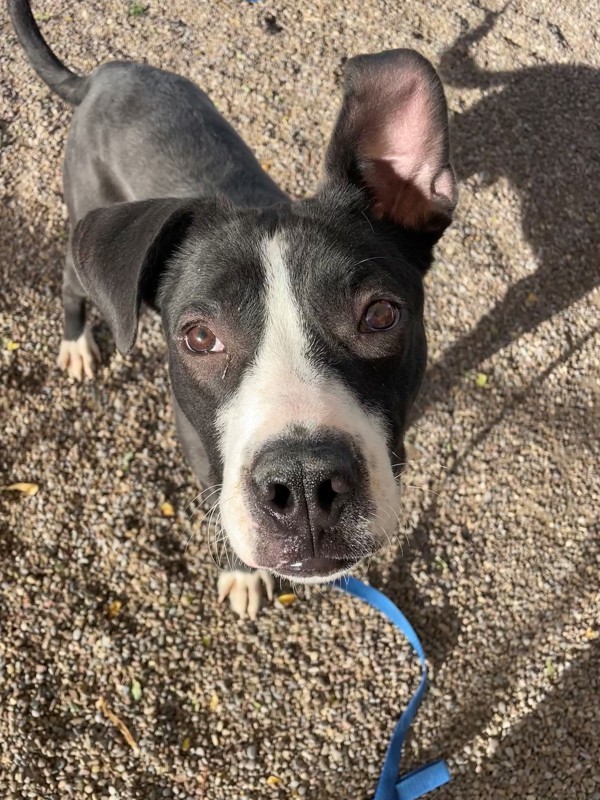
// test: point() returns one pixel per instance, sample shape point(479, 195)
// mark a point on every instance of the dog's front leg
point(240, 583)
point(245, 587)
point(78, 351)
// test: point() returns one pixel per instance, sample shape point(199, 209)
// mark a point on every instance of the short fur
point(300, 410)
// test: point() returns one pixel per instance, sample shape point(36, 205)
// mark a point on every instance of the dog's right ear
point(391, 140)
point(121, 251)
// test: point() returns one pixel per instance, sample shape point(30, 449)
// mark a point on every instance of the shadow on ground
point(539, 129)
point(548, 743)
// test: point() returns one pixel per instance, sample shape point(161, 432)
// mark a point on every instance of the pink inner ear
point(401, 134)
point(444, 185)
point(402, 151)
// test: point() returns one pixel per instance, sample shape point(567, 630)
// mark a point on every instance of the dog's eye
point(381, 316)
point(201, 339)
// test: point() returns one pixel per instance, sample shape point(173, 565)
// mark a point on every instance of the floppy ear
point(391, 138)
point(120, 252)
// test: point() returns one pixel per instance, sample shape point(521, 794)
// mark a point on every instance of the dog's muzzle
point(306, 499)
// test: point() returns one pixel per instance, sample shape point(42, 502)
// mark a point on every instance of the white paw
point(79, 356)
point(244, 590)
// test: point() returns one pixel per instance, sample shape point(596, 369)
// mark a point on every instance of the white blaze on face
point(281, 389)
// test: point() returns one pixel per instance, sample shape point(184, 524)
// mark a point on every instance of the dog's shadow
point(538, 128)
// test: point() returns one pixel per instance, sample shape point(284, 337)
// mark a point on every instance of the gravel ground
point(107, 606)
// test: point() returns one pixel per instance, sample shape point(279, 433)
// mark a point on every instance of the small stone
point(252, 751)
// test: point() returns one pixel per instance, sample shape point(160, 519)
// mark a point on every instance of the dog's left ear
point(120, 253)
point(391, 139)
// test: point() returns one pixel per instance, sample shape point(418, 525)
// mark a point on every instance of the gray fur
point(169, 207)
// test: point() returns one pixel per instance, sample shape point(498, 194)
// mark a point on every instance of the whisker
point(219, 539)
point(422, 488)
point(204, 501)
point(372, 258)
point(369, 221)
point(203, 521)
point(220, 535)
point(208, 535)
point(203, 491)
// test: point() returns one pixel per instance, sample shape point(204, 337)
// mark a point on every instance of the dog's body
point(295, 331)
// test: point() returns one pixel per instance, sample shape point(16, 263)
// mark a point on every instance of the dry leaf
point(440, 563)
point(214, 702)
point(531, 299)
point(113, 608)
point(136, 690)
point(26, 488)
point(549, 668)
point(186, 744)
point(591, 634)
point(127, 459)
point(273, 780)
point(118, 723)
point(167, 510)
point(286, 599)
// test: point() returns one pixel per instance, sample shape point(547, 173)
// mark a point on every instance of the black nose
point(305, 488)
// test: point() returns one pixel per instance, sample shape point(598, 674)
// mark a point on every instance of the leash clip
point(424, 779)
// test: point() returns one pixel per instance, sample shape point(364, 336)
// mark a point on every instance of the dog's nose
point(305, 489)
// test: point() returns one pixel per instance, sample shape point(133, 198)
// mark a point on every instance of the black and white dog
point(295, 329)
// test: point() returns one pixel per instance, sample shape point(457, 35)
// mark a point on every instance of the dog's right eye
point(201, 339)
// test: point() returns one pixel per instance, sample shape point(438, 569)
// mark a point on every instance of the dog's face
point(295, 333)
point(296, 347)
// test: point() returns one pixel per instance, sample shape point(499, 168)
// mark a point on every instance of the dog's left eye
point(381, 316)
point(201, 339)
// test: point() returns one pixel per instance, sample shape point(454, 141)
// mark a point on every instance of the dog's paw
point(78, 357)
point(245, 590)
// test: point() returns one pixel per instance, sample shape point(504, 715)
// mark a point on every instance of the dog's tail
point(66, 84)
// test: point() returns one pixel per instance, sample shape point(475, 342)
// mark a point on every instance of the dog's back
point(140, 132)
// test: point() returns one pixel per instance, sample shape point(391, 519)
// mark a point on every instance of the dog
point(295, 331)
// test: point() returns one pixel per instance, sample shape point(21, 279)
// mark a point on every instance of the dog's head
point(295, 332)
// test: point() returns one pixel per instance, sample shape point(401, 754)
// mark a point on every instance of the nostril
point(328, 491)
point(280, 496)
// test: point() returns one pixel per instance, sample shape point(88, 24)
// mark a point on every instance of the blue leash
point(429, 777)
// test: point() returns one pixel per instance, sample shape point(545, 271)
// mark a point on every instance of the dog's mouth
point(319, 568)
